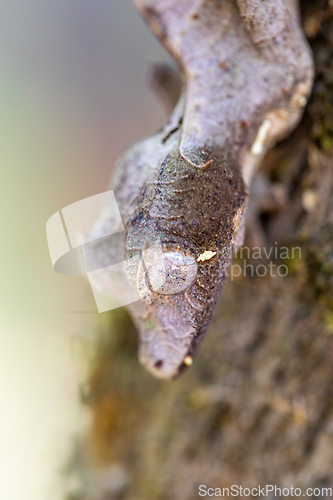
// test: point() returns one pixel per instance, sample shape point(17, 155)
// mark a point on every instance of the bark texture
point(257, 405)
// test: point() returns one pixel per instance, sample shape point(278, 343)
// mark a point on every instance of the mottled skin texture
point(248, 73)
point(189, 209)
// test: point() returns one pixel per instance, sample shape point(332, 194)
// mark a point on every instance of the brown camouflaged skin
point(194, 209)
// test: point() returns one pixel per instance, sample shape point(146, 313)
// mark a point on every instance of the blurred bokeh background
point(73, 97)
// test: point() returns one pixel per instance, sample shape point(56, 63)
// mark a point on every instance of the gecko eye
point(169, 271)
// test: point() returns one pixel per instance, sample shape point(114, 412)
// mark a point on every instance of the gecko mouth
point(171, 326)
point(165, 340)
point(163, 276)
point(172, 330)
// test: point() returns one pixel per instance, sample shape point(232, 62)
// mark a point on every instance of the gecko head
point(179, 290)
point(179, 246)
point(163, 275)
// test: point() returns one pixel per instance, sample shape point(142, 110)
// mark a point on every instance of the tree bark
point(256, 408)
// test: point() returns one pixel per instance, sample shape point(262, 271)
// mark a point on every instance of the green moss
point(328, 318)
point(149, 324)
point(317, 275)
point(295, 263)
point(326, 142)
point(320, 107)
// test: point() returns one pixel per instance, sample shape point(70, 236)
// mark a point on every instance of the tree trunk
point(256, 407)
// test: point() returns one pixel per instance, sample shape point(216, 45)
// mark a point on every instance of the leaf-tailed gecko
point(182, 193)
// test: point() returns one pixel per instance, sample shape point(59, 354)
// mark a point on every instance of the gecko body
point(182, 193)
